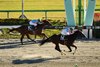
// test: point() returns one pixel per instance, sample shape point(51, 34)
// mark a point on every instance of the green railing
point(45, 11)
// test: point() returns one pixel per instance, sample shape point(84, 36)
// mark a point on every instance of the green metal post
point(7, 14)
point(46, 17)
point(82, 21)
point(79, 10)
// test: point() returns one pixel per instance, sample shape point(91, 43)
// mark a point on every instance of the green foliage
point(13, 21)
point(57, 22)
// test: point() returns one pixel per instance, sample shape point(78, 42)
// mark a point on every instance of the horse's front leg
point(75, 48)
point(58, 49)
point(21, 39)
point(68, 45)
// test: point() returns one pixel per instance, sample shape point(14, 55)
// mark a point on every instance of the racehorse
point(24, 30)
point(69, 42)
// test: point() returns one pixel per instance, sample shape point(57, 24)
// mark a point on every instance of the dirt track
point(12, 54)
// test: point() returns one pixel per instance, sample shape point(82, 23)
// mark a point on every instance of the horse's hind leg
point(44, 36)
point(58, 49)
point(21, 39)
point(29, 37)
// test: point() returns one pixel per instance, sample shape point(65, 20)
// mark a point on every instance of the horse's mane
point(44, 21)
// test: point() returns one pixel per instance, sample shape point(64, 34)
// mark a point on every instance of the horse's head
point(46, 23)
point(80, 33)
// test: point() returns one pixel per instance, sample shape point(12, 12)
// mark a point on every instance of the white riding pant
point(64, 32)
point(31, 23)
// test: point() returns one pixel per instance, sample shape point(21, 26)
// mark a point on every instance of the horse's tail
point(47, 40)
point(44, 41)
point(11, 30)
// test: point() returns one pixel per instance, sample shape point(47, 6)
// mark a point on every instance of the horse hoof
point(69, 51)
point(63, 53)
point(64, 50)
point(73, 53)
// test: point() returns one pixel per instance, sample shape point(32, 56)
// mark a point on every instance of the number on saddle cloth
point(32, 28)
point(63, 37)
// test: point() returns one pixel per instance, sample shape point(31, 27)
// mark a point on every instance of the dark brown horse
point(69, 42)
point(24, 30)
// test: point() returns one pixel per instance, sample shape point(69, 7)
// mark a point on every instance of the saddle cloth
point(63, 37)
point(31, 28)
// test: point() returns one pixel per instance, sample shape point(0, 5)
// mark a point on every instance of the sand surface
point(13, 54)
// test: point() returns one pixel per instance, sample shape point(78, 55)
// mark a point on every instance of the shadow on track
point(30, 61)
point(10, 45)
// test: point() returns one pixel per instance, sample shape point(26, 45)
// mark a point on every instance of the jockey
point(33, 23)
point(66, 31)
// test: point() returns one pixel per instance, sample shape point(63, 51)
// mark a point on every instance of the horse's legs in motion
point(21, 39)
point(75, 48)
point(70, 50)
point(29, 38)
point(35, 36)
point(43, 35)
point(58, 49)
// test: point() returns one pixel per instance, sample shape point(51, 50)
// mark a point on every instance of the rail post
point(79, 11)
